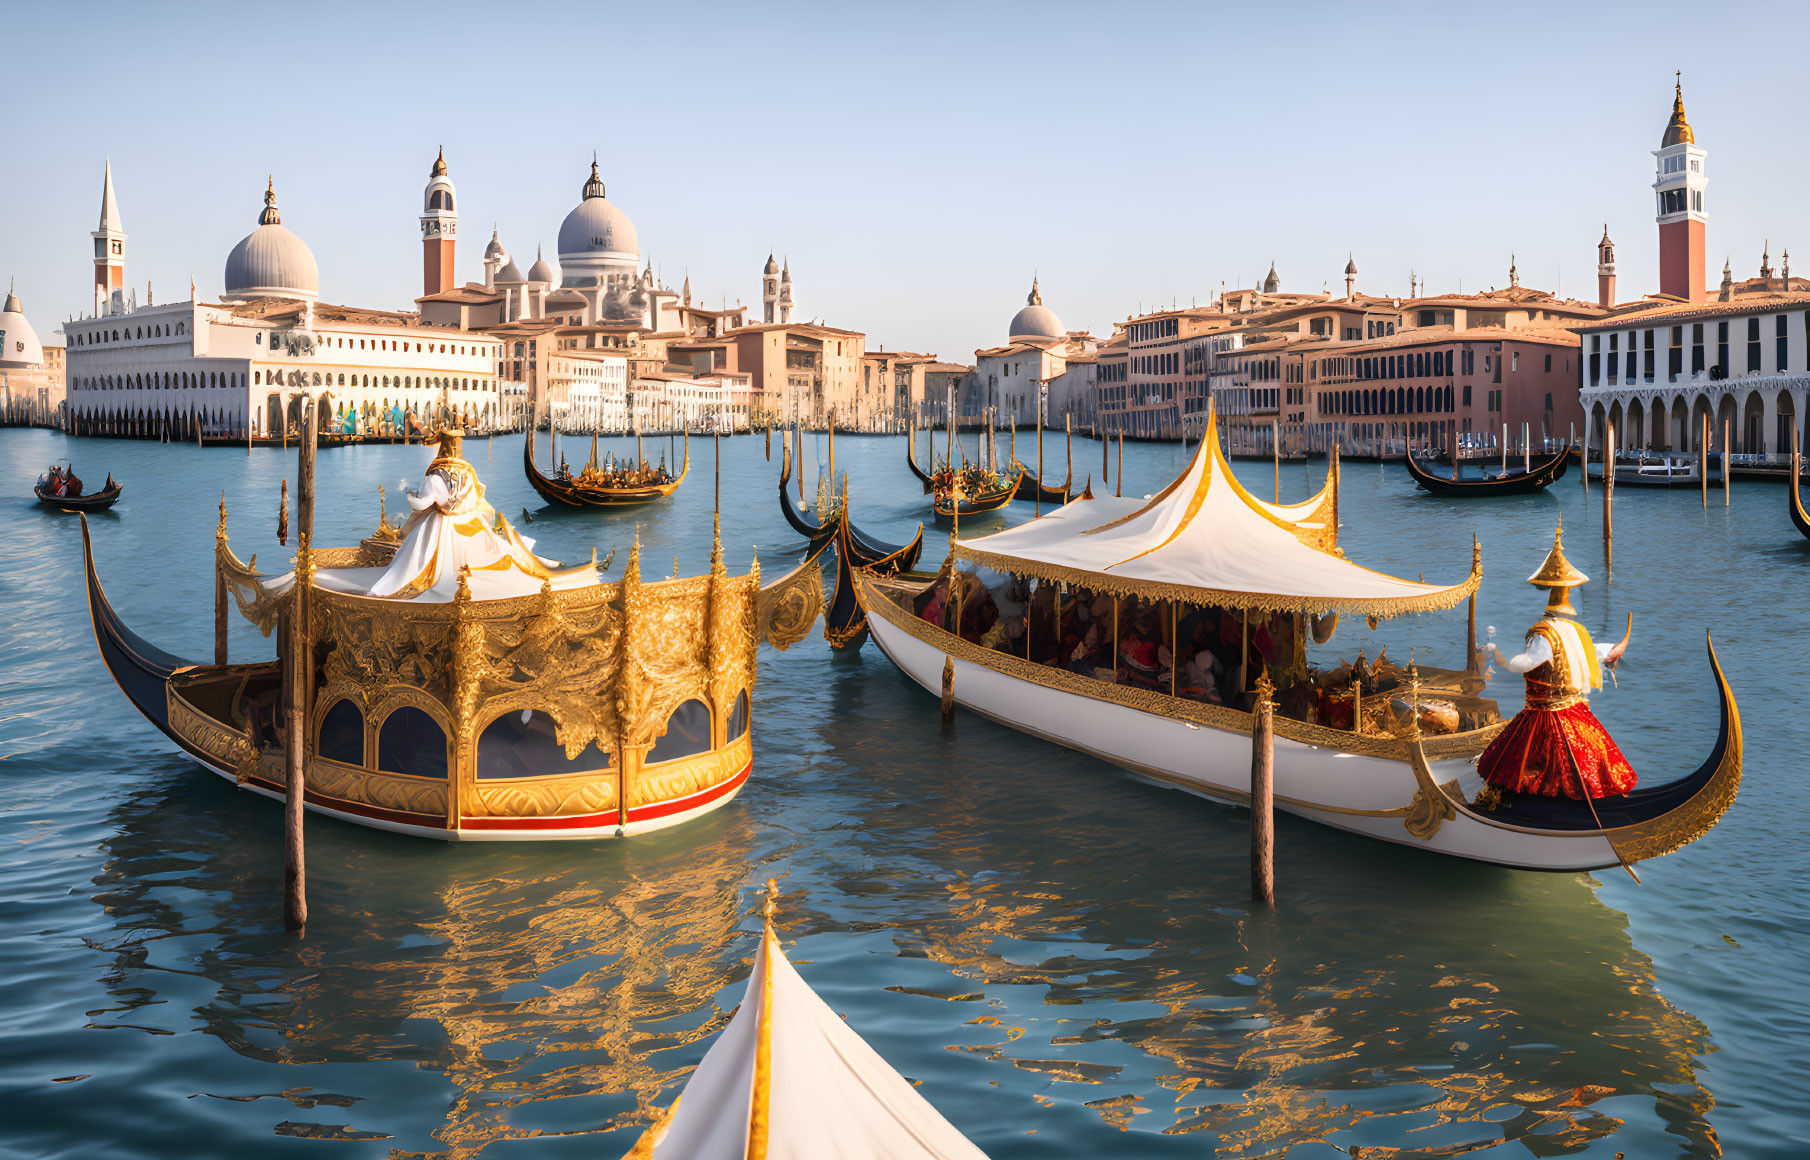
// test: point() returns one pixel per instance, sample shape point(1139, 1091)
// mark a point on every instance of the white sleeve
point(1538, 653)
point(433, 492)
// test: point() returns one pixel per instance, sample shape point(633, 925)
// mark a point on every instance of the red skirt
point(1530, 755)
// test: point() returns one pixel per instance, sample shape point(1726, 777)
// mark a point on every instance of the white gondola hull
point(1360, 793)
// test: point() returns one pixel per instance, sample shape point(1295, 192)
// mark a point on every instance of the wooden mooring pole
point(1608, 500)
point(295, 873)
point(220, 588)
point(1727, 445)
point(1703, 462)
point(1263, 795)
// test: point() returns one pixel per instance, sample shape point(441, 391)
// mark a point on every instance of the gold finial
point(220, 532)
point(1558, 576)
point(1265, 688)
point(771, 902)
point(1678, 129)
point(675, 566)
point(440, 163)
point(462, 597)
point(717, 567)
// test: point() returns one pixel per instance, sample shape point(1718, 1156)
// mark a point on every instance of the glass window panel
point(525, 744)
point(411, 742)
point(342, 736)
point(687, 733)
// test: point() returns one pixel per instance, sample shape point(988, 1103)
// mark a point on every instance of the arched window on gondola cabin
point(412, 742)
point(687, 733)
point(738, 718)
point(342, 734)
point(525, 743)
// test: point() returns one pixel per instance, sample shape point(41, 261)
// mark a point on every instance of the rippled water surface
point(1061, 956)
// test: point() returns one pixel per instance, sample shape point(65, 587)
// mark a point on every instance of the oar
point(1591, 802)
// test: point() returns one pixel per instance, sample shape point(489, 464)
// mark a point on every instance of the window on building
point(1646, 365)
point(1722, 346)
point(1753, 345)
point(1784, 354)
point(1696, 348)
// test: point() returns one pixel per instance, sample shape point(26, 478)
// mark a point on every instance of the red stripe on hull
point(639, 814)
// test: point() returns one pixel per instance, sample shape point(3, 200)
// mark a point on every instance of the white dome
point(495, 248)
point(271, 261)
point(1035, 320)
point(542, 271)
point(19, 346)
point(510, 273)
point(597, 228)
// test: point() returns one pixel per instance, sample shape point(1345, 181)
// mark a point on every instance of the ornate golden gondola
point(577, 492)
point(950, 502)
point(521, 704)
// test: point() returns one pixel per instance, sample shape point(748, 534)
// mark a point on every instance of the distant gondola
point(571, 493)
point(94, 501)
point(1032, 488)
point(867, 551)
point(949, 506)
point(1798, 515)
point(1538, 478)
point(911, 456)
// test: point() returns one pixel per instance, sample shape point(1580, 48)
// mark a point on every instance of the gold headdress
point(1558, 577)
point(450, 441)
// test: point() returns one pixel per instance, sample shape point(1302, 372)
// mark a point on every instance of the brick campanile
point(439, 230)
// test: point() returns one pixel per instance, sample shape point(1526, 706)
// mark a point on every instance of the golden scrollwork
point(787, 608)
point(227, 747)
point(677, 779)
point(545, 797)
point(409, 795)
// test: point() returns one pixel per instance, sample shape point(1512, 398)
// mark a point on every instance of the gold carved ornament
point(786, 609)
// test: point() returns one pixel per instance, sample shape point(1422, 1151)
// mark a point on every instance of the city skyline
point(918, 204)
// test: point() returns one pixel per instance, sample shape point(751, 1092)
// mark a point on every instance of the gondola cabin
point(509, 699)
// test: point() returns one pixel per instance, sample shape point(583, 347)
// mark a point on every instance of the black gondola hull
point(1542, 476)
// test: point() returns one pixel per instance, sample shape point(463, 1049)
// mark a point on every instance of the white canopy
point(1206, 540)
point(788, 1080)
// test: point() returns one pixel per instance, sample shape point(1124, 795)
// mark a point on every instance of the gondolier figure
point(1555, 747)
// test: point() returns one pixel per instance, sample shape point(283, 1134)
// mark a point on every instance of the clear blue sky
point(916, 162)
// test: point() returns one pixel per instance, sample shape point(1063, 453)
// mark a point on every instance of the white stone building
point(243, 366)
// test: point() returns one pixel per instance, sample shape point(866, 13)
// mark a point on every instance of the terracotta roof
point(1668, 311)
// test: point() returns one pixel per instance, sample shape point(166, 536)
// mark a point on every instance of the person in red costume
point(1555, 747)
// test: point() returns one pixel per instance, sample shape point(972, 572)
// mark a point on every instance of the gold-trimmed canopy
point(1204, 539)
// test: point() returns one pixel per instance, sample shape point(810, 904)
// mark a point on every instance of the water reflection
point(520, 980)
point(1438, 1007)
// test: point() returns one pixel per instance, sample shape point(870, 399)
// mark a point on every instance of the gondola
point(570, 493)
point(480, 679)
point(911, 456)
point(844, 623)
point(1030, 484)
point(1541, 476)
point(948, 506)
point(1032, 488)
point(1381, 774)
point(94, 501)
point(866, 551)
point(1798, 516)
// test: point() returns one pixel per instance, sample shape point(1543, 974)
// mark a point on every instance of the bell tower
point(1605, 270)
point(769, 291)
point(439, 230)
point(109, 245)
point(1679, 185)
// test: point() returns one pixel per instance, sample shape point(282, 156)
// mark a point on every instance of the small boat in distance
point(1455, 483)
point(598, 486)
point(53, 491)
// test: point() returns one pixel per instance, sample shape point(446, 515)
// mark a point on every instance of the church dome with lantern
point(19, 346)
point(597, 239)
point(1035, 320)
point(271, 261)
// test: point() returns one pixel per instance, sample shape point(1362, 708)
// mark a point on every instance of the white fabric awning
point(1206, 540)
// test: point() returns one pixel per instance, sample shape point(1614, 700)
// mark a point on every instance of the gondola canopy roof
point(1204, 539)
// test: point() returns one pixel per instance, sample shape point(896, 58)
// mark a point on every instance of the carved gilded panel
point(691, 775)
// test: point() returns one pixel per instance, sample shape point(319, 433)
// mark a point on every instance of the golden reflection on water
point(1293, 1060)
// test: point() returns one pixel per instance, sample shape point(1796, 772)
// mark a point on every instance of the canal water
point(1061, 957)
